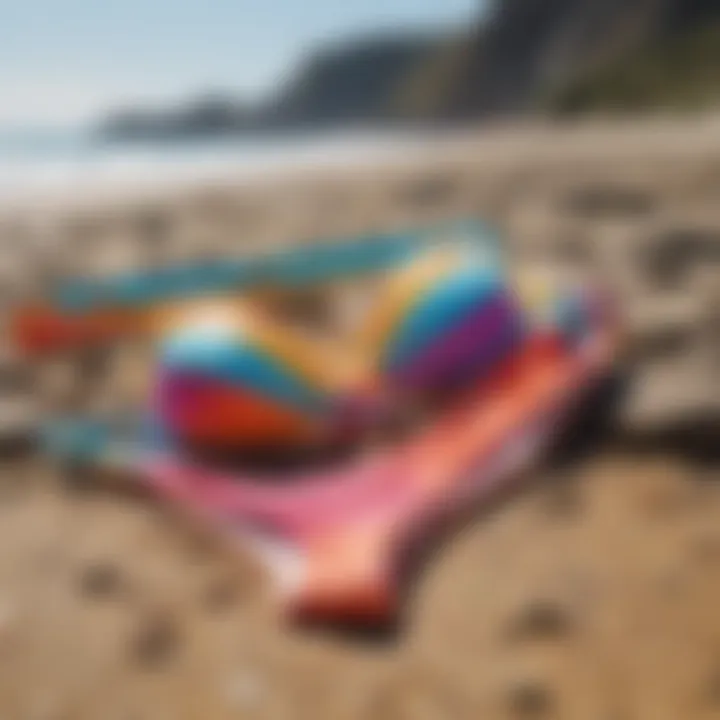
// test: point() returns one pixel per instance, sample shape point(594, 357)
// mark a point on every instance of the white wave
point(29, 166)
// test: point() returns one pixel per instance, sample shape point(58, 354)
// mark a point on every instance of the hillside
point(526, 56)
point(353, 83)
point(531, 51)
point(680, 75)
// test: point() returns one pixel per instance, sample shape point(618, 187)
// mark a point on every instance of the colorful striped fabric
point(552, 306)
point(226, 376)
point(307, 264)
point(447, 317)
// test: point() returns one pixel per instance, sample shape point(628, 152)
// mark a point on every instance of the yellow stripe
point(315, 360)
point(318, 362)
point(324, 365)
point(401, 291)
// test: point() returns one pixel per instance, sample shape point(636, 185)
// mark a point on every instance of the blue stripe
point(444, 307)
point(308, 264)
point(244, 366)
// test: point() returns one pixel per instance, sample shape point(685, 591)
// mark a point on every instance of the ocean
point(49, 161)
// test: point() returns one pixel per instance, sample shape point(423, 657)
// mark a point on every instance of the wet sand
point(591, 592)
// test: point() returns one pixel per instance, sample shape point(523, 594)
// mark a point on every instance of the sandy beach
point(590, 594)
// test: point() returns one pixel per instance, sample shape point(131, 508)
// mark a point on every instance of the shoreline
point(492, 146)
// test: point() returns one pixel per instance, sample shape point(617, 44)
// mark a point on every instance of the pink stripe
point(384, 486)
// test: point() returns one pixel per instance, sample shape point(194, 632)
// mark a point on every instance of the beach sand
point(591, 593)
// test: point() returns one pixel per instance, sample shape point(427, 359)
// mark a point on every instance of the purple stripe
point(471, 336)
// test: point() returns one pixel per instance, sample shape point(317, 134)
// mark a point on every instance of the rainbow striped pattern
point(228, 378)
point(562, 309)
point(307, 264)
point(447, 318)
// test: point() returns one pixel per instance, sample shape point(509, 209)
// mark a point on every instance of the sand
point(591, 592)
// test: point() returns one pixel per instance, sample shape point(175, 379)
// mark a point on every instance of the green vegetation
point(431, 86)
point(656, 55)
point(679, 74)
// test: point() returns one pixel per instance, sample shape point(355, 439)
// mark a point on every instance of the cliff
point(524, 56)
point(532, 51)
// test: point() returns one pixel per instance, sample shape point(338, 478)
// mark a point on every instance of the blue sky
point(67, 60)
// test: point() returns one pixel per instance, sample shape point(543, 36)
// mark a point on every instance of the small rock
point(706, 548)
point(712, 689)
point(101, 580)
point(574, 250)
point(93, 364)
point(156, 641)
point(221, 594)
point(153, 225)
point(76, 476)
point(530, 699)
point(18, 426)
point(541, 620)
point(669, 256)
point(664, 341)
point(16, 377)
point(606, 200)
point(430, 191)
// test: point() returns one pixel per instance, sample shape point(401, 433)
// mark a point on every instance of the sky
point(67, 61)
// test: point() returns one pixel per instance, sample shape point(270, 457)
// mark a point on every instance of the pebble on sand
point(541, 619)
point(156, 640)
point(101, 579)
point(221, 594)
point(529, 699)
point(711, 688)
